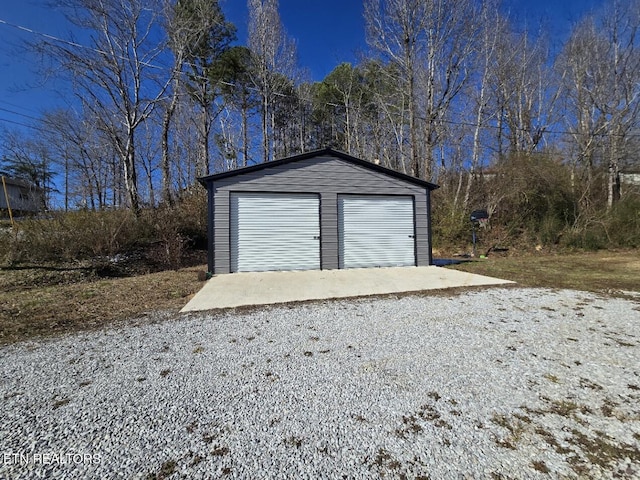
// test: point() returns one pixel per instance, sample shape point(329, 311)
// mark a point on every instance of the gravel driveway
point(493, 383)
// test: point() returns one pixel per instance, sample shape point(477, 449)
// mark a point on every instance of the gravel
point(490, 383)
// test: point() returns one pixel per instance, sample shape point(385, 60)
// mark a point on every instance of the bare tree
point(29, 158)
point(396, 29)
point(179, 40)
point(600, 66)
point(85, 156)
point(581, 88)
point(493, 27)
point(430, 42)
point(386, 114)
point(621, 71)
point(451, 36)
point(525, 90)
point(339, 97)
point(114, 73)
point(273, 55)
point(148, 150)
point(234, 72)
point(206, 37)
point(184, 147)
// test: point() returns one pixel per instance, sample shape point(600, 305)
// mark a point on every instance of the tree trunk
point(245, 133)
point(130, 175)
point(202, 167)
point(165, 162)
point(613, 177)
point(475, 154)
point(265, 128)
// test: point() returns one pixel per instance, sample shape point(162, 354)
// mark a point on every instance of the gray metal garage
point(319, 210)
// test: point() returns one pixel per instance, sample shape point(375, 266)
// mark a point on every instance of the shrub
point(180, 227)
point(532, 195)
point(163, 233)
point(598, 229)
point(623, 225)
point(449, 227)
point(73, 236)
point(592, 238)
point(551, 229)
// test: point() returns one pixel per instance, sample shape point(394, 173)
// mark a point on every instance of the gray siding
point(22, 198)
point(329, 230)
point(327, 175)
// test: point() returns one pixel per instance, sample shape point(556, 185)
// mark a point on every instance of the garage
point(274, 231)
point(376, 231)
point(320, 210)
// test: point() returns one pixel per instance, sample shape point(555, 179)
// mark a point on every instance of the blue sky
point(327, 33)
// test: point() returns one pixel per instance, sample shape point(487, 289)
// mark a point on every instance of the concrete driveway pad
point(263, 288)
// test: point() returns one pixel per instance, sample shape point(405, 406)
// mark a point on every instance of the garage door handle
point(412, 236)
point(316, 238)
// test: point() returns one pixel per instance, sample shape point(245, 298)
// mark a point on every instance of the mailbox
point(479, 215)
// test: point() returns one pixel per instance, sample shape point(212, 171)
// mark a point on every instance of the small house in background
point(629, 179)
point(21, 196)
point(320, 210)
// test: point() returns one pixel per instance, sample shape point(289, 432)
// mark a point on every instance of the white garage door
point(274, 232)
point(376, 231)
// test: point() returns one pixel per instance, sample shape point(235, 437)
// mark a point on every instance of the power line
point(19, 106)
point(27, 125)
point(20, 114)
point(46, 35)
point(68, 42)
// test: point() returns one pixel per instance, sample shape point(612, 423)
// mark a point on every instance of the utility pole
point(6, 197)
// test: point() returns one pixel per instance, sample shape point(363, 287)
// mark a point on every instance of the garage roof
point(319, 153)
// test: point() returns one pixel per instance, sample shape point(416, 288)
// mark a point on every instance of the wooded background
point(448, 91)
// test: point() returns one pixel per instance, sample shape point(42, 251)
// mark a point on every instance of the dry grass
point(77, 302)
point(606, 271)
point(48, 301)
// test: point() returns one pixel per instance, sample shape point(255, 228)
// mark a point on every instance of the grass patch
point(540, 466)
point(552, 378)
point(564, 408)
point(293, 441)
point(60, 403)
point(220, 451)
point(602, 450)
point(409, 425)
point(514, 426)
point(384, 460)
point(167, 469)
point(33, 304)
point(548, 437)
point(594, 272)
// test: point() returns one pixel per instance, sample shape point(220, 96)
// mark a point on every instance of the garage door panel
point(274, 232)
point(376, 231)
